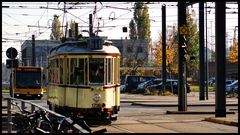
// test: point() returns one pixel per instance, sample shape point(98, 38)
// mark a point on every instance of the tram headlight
point(96, 97)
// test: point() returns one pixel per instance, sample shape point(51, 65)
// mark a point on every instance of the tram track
point(122, 129)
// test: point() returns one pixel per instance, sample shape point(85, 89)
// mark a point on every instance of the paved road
point(144, 119)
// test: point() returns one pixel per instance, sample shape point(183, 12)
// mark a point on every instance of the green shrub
point(195, 88)
point(5, 87)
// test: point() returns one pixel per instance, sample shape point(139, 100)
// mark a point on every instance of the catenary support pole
point(201, 50)
point(220, 28)
point(182, 102)
point(33, 51)
point(164, 46)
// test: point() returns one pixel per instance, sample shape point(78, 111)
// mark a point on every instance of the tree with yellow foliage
point(233, 54)
point(171, 54)
point(56, 29)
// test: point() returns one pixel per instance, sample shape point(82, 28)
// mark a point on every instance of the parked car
point(122, 84)
point(230, 87)
point(235, 91)
point(171, 85)
point(211, 81)
point(122, 88)
point(132, 81)
point(228, 84)
point(141, 87)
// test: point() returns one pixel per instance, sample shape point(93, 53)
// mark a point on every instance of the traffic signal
point(184, 49)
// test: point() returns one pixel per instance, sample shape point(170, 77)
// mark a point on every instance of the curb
point(173, 105)
point(194, 112)
point(215, 120)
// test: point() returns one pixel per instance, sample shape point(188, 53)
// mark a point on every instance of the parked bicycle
point(24, 121)
point(41, 121)
point(233, 92)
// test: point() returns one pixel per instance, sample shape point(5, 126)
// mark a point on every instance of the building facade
point(231, 70)
point(42, 48)
point(132, 50)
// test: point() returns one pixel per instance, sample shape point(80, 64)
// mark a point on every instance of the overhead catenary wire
point(152, 5)
point(36, 30)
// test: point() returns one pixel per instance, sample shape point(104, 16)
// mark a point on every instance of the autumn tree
point(142, 22)
point(192, 44)
point(133, 31)
point(172, 48)
point(171, 53)
point(56, 29)
point(233, 54)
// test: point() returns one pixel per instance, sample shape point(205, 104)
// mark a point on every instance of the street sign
point(11, 63)
point(183, 30)
point(11, 53)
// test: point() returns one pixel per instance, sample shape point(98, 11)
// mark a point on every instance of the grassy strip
point(195, 88)
point(5, 91)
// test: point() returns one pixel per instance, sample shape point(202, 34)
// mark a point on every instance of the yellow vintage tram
point(84, 78)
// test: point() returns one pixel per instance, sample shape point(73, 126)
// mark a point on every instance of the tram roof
point(81, 47)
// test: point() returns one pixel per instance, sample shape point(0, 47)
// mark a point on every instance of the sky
point(23, 19)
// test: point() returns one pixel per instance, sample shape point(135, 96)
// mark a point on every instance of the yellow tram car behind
point(84, 78)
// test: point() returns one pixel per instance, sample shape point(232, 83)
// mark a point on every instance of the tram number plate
point(96, 105)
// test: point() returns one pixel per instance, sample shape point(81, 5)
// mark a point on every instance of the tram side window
point(109, 71)
point(61, 70)
point(116, 70)
point(79, 71)
point(96, 70)
point(50, 71)
point(73, 65)
point(67, 72)
point(56, 79)
point(53, 71)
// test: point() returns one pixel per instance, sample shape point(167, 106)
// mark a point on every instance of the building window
point(129, 49)
point(139, 49)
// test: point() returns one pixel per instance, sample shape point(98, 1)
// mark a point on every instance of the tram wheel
point(113, 118)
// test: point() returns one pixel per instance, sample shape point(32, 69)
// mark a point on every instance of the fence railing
point(33, 107)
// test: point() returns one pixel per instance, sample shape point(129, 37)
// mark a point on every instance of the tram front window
point(96, 70)
point(32, 80)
